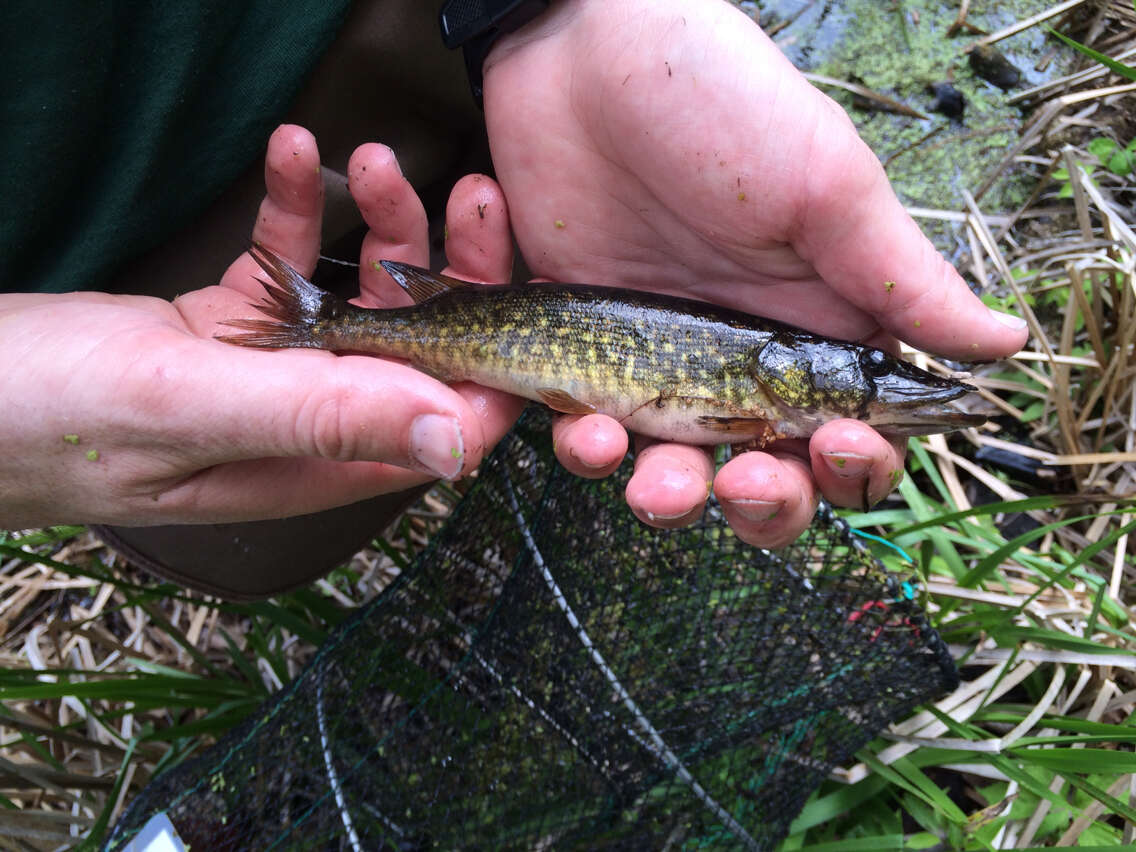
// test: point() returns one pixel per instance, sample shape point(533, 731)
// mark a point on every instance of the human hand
point(125, 410)
point(668, 145)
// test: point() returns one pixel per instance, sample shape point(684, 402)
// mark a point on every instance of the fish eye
point(875, 362)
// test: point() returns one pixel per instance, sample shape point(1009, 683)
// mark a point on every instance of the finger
point(396, 219)
point(853, 464)
point(289, 219)
point(479, 245)
point(864, 244)
point(768, 498)
point(496, 410)
point(592, 445)
point(670, 484)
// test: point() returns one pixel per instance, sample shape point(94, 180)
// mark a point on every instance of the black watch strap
point(475, 25)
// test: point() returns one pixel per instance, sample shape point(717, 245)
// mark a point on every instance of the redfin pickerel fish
point(665, 367)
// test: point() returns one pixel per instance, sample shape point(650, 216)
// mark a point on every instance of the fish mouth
point(920, 405)
point(930, 419)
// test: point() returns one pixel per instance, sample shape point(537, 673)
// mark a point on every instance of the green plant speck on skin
point(71, 439)
point(92, 455)
point(889, 285)
point(559, 223)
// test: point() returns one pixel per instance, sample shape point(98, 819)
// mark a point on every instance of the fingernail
point(436, 445)
point(394, 159)
point(757, 510)
point(847, 465)
point(587, 464)
point(660, 516)
point(1009, 320)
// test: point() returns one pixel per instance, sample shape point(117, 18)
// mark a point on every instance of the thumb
point(863, 243)
point(301, 403)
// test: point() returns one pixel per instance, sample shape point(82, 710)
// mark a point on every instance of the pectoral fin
point(730, 425)
point(564, 402)
point(752, 429)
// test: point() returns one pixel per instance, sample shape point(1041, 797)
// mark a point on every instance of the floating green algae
point(900, 47)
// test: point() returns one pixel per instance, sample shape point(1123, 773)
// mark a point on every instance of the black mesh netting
point(552, 674)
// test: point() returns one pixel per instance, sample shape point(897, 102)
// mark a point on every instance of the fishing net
point(552, 674)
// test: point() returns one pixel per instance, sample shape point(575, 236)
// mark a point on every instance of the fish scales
point(669, 368)
point(597, 348)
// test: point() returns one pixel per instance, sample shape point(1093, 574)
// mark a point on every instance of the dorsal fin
point(421, 284)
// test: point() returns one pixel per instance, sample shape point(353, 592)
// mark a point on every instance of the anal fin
point(564, 402)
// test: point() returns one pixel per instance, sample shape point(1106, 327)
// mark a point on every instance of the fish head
point(816, 380)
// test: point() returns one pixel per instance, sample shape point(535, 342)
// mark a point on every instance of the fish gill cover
point(551, 673)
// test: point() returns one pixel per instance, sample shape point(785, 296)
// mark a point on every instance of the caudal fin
point(295, 306)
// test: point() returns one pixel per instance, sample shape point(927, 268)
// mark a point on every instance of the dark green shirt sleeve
point(120, 122)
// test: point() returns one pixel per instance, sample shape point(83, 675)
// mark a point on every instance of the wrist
point(552, 20)
point(477, 26)
point(580, 37)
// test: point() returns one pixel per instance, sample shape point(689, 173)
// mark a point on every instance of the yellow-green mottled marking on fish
point(670, 368)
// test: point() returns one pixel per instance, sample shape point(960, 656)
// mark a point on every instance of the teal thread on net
point(884, 541)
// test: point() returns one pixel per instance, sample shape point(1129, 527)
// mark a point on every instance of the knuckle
point(325, 425)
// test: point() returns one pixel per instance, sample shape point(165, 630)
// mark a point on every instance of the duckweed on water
point(928, 161)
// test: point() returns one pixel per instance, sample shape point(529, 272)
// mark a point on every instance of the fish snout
point(914, 402)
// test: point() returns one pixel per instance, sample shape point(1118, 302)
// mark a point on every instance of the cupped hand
point(668, 145)
point(125, 410)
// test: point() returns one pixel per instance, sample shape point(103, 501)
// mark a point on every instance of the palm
point(655, 177)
